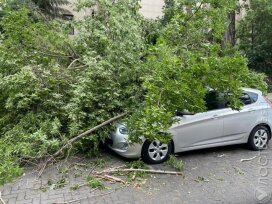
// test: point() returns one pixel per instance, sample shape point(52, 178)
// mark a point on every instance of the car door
point(193, 131)
point(238, 124)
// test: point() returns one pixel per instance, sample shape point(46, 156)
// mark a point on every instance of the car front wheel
point(156, 152)
point(259, 138)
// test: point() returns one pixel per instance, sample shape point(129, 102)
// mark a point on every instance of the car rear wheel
point(156, 152)
point(259, 138)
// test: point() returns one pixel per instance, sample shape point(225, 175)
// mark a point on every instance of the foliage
point(187, 59)
point(43, 103)
point(175, 163)
point(75, 187)
point(111, 82)
point(253, 34)
point(33, 85)
point(51, 8)
point(100, 163)
point(56, 184)
point(95, 183)
point(138, 164)
point(9, 167)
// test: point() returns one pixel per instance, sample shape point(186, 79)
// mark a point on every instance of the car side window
point(248, 98)
point(214, 101)
point(245, 99)
point(253, 96)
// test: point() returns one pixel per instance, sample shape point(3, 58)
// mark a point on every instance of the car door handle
point(215, 117)
point(251, 110)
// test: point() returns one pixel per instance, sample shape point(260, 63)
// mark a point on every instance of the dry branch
point(1, 199)
point(70, 65)
point(111, 178)
point(80, 136)
point(140, 170)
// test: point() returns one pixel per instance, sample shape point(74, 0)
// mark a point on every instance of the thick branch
point(141, 170)
point(75, 139)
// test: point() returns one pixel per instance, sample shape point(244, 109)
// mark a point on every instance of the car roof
point(245, 89)
point(253, 90)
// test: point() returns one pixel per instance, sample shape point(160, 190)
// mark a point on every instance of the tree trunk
point(229, 35)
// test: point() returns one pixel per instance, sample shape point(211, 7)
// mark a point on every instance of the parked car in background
point(218, 126)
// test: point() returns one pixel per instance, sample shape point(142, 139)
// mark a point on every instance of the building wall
point(77, 15)
point(242, 13)
point(150, 9)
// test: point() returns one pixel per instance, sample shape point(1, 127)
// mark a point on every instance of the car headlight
point(123, 130)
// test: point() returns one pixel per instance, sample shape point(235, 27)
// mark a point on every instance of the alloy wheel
point(260, 138)
point(157, 150)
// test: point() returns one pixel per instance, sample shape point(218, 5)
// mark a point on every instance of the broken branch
point(111, 178)
point(140, 170)
point(1, 199)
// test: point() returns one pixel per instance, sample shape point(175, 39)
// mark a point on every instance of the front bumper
point(119, 143)
point(133, 151)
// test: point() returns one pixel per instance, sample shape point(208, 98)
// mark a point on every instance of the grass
point(138, 164)
point(175, 163)
point(95, 183)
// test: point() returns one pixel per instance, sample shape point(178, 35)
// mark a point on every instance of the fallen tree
point(53, 86)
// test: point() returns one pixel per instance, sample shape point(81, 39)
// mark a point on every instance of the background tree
point(254, 34)
point(51, 8)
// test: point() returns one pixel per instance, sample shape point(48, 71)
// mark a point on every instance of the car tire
point(155, 152)
point(259, 138)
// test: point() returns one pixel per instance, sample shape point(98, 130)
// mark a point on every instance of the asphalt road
point(211, 176)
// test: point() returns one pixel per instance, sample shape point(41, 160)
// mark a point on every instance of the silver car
point(218, 126)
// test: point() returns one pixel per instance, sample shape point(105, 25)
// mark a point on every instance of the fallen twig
point(117, 167)
point(220, 155)
point(70, 65)
point(1, 199)
point(93, 190)
point(249, 159)
point(141, 170)
point(111, 178)
point(78, 67)
point(75, 139)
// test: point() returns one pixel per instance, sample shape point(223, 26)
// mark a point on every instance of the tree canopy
point(51, 8)
point(254, 34)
